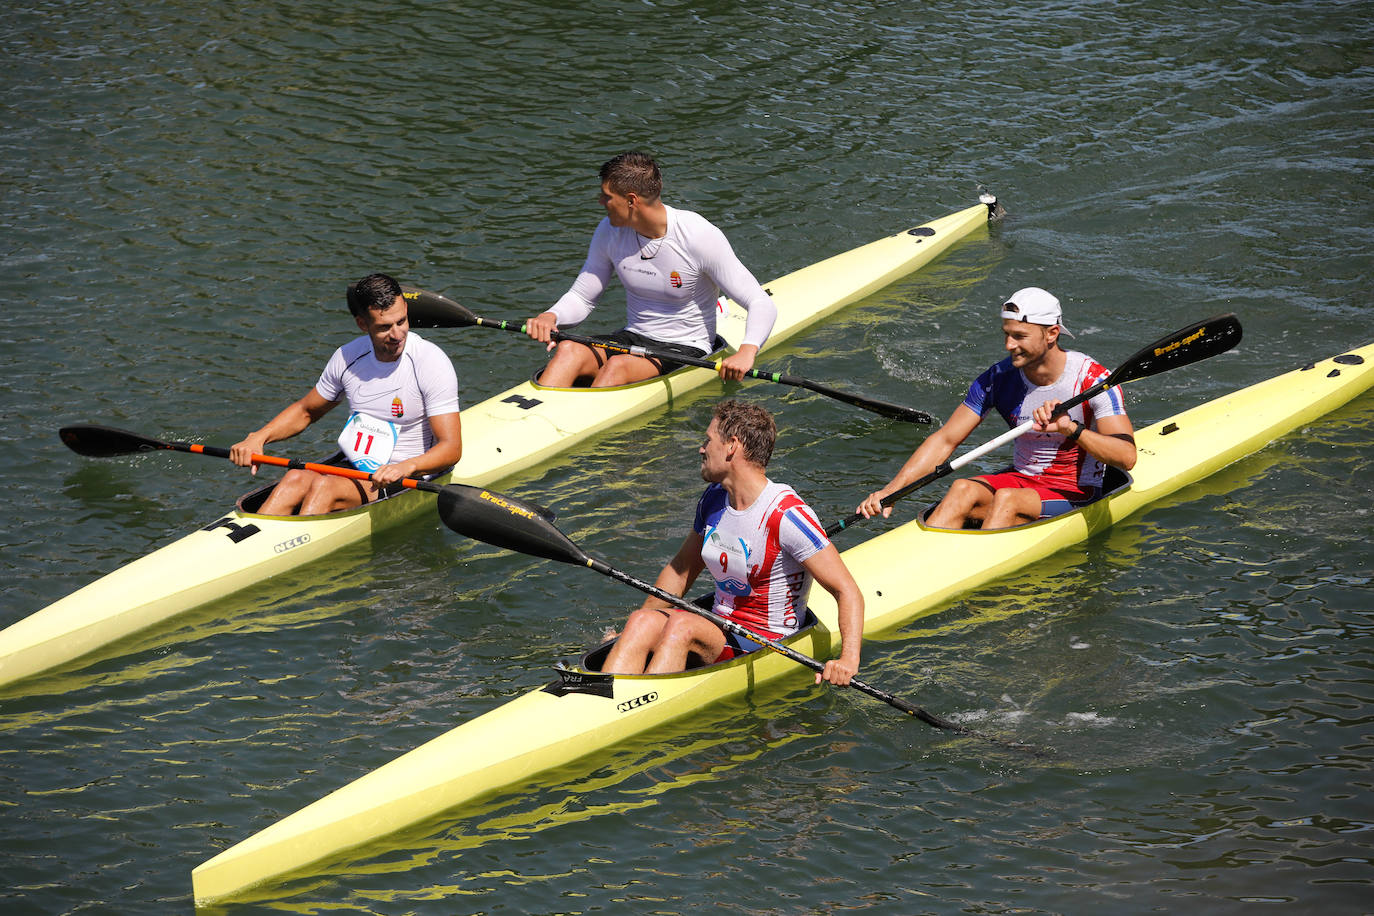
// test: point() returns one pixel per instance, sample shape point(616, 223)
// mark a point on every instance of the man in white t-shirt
point(761, 544)
point(402, 395)
point(673, 265)
point(1056, 465)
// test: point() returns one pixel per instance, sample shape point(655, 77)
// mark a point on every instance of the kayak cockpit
point(1114, 481)
point(721, 345)
point(251, 502)
point(587, 677)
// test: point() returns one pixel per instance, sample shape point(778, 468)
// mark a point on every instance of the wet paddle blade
point(504, 521)
point(95, 441)
point(431, 310)
point(1181, 348)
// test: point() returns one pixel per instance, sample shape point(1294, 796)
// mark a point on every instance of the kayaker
point(761, 543)
point(402, 395)
point(673, 265)
point(1057, 464)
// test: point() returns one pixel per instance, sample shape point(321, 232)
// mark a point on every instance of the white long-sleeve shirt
point(671, 283)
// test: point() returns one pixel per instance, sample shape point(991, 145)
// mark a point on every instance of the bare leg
point(570, 363)
point(286, 497)
point(683, 635)
point(330, 493)
point(1012, 507)
point(630, 654)
point(309, 493)
point(623, 369)
point(968, 498)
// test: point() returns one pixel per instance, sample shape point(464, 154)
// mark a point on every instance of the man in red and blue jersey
point(763, 546)
point(1059, 463)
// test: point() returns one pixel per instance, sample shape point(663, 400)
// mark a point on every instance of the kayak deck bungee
point(907, 572)
point(502, 435)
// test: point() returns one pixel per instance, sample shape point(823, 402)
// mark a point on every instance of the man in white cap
point(1060, 462)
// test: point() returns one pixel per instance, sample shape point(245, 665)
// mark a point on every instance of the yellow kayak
point(905, 573)
point(502, 435)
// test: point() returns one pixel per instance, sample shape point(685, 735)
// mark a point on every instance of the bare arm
point(937, 448)
point(831, 574)
point(736, 364)
point(1112, 442)
point(290, 422)
point(444, 453)
point(682, 570)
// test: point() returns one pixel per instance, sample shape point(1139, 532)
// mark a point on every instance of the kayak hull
point(502, 435)
point(1171, 455)
point(905, 573)
point(537, 731)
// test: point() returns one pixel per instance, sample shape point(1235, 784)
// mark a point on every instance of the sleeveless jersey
point(1006, 389)
point(671, 284)
point(756, 556)
point(404, 393)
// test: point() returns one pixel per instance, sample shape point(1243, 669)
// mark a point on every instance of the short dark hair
point(633, 172)
point(375, 292)
point(751, 425)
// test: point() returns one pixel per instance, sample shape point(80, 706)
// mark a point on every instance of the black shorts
point(631, 339)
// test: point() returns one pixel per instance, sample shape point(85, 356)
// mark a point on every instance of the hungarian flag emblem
point(397, 408)
point(675, 279)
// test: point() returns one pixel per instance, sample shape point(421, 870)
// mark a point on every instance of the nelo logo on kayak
point(636, 702)
point(296, 541)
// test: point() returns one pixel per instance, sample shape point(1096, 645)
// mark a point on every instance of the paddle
point(95, 441)
point(431, 310)
point(526, 528)
point(1172, 351)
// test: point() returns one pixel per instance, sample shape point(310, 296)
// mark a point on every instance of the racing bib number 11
point(367, 441)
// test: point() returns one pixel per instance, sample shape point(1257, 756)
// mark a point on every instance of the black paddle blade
point(1181, 348)
point(106, 441)
point(505, 521)
point(431, 310)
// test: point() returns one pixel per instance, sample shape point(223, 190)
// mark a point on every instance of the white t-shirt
point(404, 393)
point(671, 284)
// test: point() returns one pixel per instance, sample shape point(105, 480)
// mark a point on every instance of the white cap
point(1036, 306)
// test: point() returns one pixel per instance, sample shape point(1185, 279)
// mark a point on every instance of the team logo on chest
point(675, 280)
point(398, 409)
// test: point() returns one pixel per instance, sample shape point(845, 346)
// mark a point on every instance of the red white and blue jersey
point(756, 556)
point(1006, 389)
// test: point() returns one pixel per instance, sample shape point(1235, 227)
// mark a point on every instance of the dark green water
point(185, 188)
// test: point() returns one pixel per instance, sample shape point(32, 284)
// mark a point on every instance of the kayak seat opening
point(718, 347)
point(252, 501)
point(594, 659)
point(1113, 481)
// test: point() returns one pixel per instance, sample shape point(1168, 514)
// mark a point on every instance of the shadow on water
point(333, 587)
point(624, 783)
